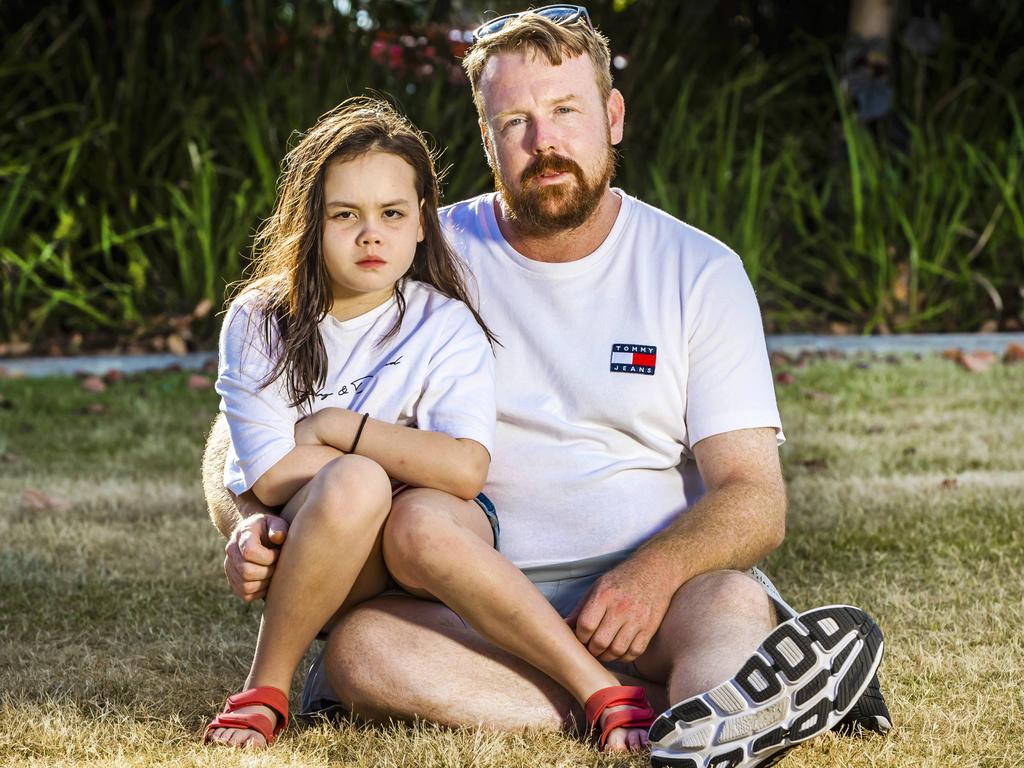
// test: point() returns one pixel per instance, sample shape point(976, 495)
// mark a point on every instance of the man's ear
point(616, 115)
point(486, 138)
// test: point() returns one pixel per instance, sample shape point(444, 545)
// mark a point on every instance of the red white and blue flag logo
point(634, 358)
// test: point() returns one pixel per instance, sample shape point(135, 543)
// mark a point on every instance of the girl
point(351, 366)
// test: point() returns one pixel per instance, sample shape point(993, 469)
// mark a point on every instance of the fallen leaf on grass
point(1014, 353)
point(785, 378)
point(948, 484)
point(978, 361)
point(94, 384)
point(43, 502)
point(197, 382)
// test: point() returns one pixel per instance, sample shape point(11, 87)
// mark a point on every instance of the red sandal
point(265, 696)
point(641, 716)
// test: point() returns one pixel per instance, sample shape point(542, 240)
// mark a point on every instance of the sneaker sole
point(802, 680)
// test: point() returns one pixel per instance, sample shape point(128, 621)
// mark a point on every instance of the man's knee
point(361, 655)
point(727, 592)
point(219, 500)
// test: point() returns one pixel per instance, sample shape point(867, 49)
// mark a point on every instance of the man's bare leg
point(713, 625)
point(332, 560)
point(400, 658)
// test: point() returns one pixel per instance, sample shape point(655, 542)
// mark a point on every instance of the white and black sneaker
point(803, 680)
point(869, 714)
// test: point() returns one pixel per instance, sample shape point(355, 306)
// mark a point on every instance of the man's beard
point(550, 208)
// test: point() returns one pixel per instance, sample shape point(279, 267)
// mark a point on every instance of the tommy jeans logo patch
point(634, 358)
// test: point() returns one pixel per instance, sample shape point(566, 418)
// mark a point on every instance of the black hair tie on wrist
point(359, 433)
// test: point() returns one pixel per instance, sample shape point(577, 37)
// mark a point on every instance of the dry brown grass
point(118, 638)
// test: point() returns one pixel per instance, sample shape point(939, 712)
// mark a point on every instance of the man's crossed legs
point(396, 657)
point(399, 657)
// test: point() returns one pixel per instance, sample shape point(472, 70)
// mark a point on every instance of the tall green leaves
point(141, 144)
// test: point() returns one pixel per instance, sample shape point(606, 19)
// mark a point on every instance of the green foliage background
point(140, 147)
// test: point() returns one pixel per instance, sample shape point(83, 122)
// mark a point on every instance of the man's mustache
point(550, 164)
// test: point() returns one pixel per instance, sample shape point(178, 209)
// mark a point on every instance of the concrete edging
point(790, 344)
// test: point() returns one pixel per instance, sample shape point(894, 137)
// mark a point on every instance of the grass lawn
point(119, 638)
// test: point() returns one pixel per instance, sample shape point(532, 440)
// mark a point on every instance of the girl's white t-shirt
point(435, 373)
point(611, 368)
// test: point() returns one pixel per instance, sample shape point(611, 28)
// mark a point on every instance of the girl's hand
point(305, 431)
point(335, 427)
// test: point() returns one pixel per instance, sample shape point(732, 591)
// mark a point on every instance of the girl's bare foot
point(245, 737)
point(622, 714)
point(252, 718)
point(623, 739)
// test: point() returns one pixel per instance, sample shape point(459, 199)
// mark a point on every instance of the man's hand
point(251, 552)
point(618, 617)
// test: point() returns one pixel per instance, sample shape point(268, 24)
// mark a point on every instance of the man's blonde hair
point(542, 36)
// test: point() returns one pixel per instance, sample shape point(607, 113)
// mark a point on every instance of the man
point(636, 472)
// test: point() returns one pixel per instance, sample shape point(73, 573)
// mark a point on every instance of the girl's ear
point(419, 233)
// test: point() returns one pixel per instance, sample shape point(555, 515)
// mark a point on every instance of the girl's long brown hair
point(288, 270)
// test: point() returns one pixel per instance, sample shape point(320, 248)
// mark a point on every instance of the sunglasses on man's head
point(559, 14)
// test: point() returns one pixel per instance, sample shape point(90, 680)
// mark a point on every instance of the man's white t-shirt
point(612, 367)
point(436, 372)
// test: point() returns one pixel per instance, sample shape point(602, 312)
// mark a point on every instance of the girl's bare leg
point(332, 560)
point(441, 547)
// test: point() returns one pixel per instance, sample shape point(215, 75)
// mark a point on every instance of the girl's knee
point(417, 533)
point(412, 521)
point(350, 489)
